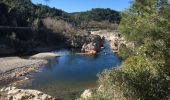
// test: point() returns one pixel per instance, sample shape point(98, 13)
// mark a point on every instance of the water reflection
point(72, 72)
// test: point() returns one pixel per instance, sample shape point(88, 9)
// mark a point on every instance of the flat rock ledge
point(12, 93)
point(45, 56)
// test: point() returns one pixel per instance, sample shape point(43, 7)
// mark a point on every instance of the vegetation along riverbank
point(140, 35)
point(145, 72)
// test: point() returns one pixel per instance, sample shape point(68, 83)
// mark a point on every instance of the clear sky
point(84, 5)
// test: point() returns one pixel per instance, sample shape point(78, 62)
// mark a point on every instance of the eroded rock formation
point(12, 93)
point(89, 44)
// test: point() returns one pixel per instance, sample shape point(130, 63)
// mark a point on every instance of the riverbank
point(15, 67)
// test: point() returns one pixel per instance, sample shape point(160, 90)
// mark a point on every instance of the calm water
point(72, 72)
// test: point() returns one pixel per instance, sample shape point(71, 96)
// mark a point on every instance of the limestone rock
point(12, 93)
point(114, 38)
point(90, 48)
point(87, 43)
point(93, 45)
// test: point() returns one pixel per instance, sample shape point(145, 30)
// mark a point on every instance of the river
point(72, 73)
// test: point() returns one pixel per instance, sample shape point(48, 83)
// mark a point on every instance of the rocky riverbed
point(13, 69)
point(12, 93)
point(115, 39)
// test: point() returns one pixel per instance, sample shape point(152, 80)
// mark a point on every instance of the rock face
point(11, 93)
point(90, 44)
point(113, 37)
point(94, 46)
point(90, 48)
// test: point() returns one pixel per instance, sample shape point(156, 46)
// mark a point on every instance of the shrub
point(145, 75)
point(138, 78)
point(59, 26)
point(125, 52)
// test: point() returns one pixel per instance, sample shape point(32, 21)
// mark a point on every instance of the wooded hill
point(25, 13)
point(42, 26)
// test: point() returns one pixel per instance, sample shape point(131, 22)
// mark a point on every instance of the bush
point(125, 52)
point(138, 78)
point(145, 75)
point(59, 26)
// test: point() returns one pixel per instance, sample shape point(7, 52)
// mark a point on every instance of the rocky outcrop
point(12, 93)
point(90, 48)
point(90, 44)
point(114, 38)
point(94, 46)
point(115, 42)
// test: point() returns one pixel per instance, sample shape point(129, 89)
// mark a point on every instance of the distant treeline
point(25, 13)
point(98, 15)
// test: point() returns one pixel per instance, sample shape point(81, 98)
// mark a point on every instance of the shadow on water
point(72, 73)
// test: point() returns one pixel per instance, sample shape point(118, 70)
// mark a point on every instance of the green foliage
point(140, 20)
point(125, 52)
point(144, 75)
point(25, 12)
point(84, 19)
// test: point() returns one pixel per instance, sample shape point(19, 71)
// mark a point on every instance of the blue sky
point(84, 5)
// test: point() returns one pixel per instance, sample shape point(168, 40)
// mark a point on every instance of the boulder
point(91, 48)
point(88, 43)
point(93, 44)
point(12, 93)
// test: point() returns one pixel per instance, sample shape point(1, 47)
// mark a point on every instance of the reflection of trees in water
point(71, 59)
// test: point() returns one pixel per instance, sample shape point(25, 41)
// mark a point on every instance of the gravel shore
point(13, 67)
point(9, 63)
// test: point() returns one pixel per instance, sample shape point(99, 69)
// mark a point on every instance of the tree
point(145, 74)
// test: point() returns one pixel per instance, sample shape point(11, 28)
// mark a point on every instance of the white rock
point(24, 94)
point(44, 97)
point(86, 94)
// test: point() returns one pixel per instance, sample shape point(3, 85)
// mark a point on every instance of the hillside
point(25, 25)
point(24, 12)
point(98, 17)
